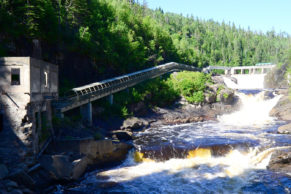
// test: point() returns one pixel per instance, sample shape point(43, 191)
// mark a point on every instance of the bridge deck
point(91, 92)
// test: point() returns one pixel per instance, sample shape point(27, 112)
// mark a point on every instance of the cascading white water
point(233, 164)
point(248, 81)
point(254, 110)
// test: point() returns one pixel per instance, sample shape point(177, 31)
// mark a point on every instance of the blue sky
point(259, 15)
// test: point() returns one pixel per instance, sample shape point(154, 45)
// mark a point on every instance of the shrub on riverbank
point(156, 92)
point(159, 92)
point(191, 85)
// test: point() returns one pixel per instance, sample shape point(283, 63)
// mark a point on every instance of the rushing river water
point(225, 156)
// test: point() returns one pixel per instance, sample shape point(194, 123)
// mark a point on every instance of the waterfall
point(246, 81)
point(254, 110)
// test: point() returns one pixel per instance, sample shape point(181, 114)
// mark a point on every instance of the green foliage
point(98, 136)
point(220, 87)
point(225, 95)
point(65, 87)
point(156, 92)
point(124, 112)
point(191, 85)
point(126, 36)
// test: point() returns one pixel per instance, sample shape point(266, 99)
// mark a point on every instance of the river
point(229, 155)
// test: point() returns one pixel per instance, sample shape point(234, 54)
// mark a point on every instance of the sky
point(259, 15)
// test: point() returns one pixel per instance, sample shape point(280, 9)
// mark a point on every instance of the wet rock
point(61, 167)
point(22, 178)
point(106, 185)
point(139, 109)
point(27, 191)
point(79, 167)
point(281, 161)
point(184, 120)
point(276, 78)
point(134, 123)
point(218, 79)
point(83, 153)
point(285, 129)
point(210, 98)
point(3, 171)
point(104, 151)
point(11, 184)
point(282, 110)
point(226, 96)
point(122, 135)
point(268, 95)
point(16, 191)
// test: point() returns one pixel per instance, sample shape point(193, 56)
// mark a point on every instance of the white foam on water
point(253, 112)
point(246, 81)
point(195, 170)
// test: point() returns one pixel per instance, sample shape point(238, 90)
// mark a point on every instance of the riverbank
point(281, 159)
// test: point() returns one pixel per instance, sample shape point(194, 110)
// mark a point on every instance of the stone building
point(27, 86)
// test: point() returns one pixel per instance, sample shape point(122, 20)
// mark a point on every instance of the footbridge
point(84, 95)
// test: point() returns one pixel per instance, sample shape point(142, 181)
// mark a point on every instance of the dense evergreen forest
point(94, 39)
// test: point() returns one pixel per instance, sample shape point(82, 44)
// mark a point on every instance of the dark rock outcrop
point(134, 123)
point(285, 129)
point(122, 135)
point(283, 109)
point(3, 171)
point(70, 159)
point(281, 161)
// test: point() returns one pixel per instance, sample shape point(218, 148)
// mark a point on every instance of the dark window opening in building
point(1, 122)
point(15, 76)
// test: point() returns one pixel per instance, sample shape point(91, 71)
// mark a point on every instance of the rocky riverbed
point(67, 159)
point(281, 159)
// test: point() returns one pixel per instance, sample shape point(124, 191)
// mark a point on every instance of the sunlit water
point(246, 81)
point(225, 156)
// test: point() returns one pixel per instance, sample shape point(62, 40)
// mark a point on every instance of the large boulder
point(104, 151)
point(62, 167)
point(134, 123)
point(77, 155)
point(282, 110)
point(122, 135)
point(281, 161)
point(210, 97)
point(285, 129)
point(226, 96)
point(21, 177)
point(3, 171)
point(276, 78)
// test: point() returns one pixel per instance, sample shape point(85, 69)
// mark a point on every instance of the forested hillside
point(94, 39)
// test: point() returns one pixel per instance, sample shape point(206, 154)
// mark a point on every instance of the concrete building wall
point(43, 80)
point(6, 66)
point(25, 104)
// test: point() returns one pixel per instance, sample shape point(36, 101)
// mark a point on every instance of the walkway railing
point(88, 93)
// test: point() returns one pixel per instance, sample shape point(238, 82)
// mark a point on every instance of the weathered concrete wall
point(44, 79)
point(6, 64)
point(25, 105)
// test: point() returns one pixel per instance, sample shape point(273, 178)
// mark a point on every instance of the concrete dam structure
point(247, 77)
